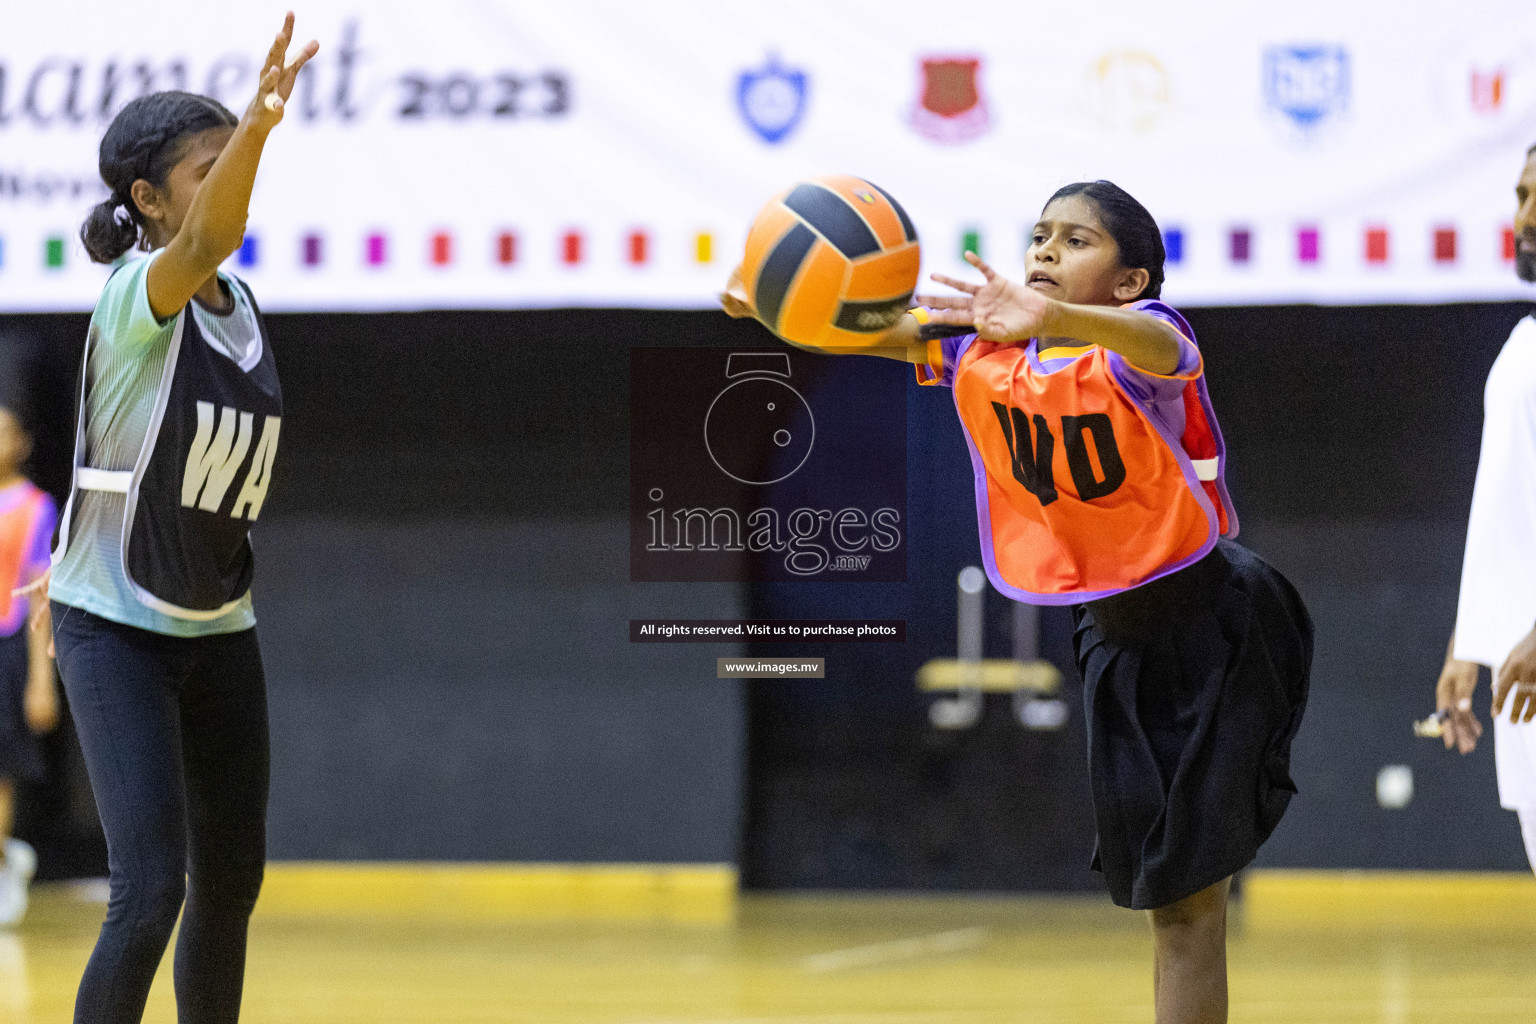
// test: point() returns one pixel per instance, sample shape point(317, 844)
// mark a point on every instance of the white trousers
point(1514, 756)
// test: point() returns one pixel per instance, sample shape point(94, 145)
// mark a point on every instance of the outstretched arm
point(901, 342)
point(215, 223)
point(1005, 310)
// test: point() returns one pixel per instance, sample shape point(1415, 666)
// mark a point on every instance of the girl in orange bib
point(1099, 471)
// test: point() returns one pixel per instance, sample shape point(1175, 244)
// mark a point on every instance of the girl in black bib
point(180, 417)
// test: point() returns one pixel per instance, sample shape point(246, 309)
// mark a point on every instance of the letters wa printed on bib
point(200, 478)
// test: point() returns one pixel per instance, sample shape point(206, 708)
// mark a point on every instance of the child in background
point(29, 702)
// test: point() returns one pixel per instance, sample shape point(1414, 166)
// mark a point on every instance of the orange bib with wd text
point(1078, 493)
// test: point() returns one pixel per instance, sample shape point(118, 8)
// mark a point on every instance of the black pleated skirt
point(21, 752)
point(1195, 687)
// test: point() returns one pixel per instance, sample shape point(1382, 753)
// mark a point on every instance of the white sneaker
point(15, 879)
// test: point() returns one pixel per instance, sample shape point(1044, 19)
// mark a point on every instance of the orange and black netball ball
point(831, 263)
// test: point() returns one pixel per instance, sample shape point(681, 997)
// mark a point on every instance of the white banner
point(498, 155)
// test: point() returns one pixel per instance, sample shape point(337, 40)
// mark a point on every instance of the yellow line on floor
point(683, 892)
point(1375, 899)
point(707, 893)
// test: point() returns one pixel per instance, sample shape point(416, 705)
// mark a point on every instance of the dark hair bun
point(108, 232)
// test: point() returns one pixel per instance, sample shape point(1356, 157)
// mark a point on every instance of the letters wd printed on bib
point(594, 152)
point(1143, 493)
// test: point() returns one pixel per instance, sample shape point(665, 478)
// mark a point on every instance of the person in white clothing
point(1496, 613)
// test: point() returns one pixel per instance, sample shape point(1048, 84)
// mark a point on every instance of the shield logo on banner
point(772, 99)
point(1308, 84)
point(951, 108)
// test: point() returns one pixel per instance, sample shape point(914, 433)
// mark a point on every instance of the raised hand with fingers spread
point(278, 75)
point(1000, 309)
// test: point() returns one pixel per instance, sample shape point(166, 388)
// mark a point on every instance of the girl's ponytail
point(109, 231)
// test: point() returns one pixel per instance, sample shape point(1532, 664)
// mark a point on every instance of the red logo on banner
point(1487, 91)
point(951, 108)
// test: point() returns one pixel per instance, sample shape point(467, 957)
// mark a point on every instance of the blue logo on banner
point(772, 99)
point(1308, 84)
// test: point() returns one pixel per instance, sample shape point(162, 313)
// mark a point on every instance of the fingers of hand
point(284, 37)
point(279, 48)
point(980, 264)
point(1501, 685)
point(1522, 702)
point(1468, 730)
point(277, 60)
point(957, 284)
point(274, 55)
point(291, 72)
point(1516, 691)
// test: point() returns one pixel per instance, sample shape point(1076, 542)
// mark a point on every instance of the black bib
point(201, 476)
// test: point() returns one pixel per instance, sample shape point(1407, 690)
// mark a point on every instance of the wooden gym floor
point(644, 946)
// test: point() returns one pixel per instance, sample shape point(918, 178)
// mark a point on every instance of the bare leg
point(7, 813)
point(1189, 958)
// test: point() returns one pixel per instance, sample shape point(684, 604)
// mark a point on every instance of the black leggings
point(174, 732)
